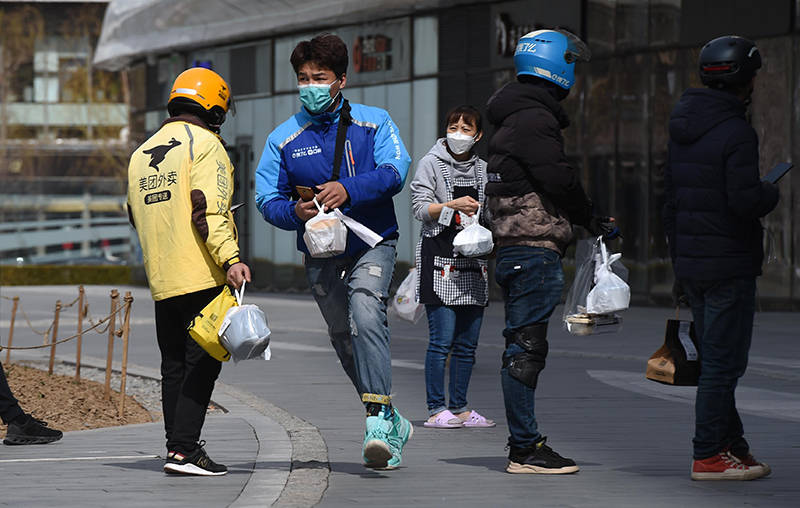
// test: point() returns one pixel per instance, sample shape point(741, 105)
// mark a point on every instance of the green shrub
point(37, 275)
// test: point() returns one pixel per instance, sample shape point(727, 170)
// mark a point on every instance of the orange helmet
point(202, 87)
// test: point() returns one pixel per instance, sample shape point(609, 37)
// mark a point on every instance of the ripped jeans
point(352, 293)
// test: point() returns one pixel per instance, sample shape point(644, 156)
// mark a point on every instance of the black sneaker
point(25, 430)
point(196, 463)
point(540, 459)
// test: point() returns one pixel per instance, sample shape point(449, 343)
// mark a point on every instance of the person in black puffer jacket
point(534, 196)
point(714, 201)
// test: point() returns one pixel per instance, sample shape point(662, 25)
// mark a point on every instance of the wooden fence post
point(11, 330)
point(81, 295)
point(53, 338)
point(112, 328)
point(126, 329)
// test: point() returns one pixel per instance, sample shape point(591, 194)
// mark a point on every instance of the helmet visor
point(577, 50)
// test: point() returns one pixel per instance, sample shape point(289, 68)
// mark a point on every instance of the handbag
point(204, 327)
point(677, 361)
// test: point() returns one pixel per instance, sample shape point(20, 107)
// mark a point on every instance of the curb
point(309, 470)
point(308, 476)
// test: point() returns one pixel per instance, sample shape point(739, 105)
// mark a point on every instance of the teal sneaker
point(402, 430)
point(377, 450)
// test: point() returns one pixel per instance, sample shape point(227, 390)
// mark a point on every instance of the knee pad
point(526, 366)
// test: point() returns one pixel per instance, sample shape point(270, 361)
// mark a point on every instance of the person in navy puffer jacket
point(352, 157)
point(714, 202)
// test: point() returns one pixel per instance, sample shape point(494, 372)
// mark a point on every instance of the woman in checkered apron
point(448, 185)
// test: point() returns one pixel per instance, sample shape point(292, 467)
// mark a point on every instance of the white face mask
point(459, 143)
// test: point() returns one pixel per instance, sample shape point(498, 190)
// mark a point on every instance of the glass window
point(73, 80)
point(379, 52)
point(665, 22)
point(600, 21)
point(263, 66)
point(426, 45)
point(700, 21)
point(285, 78)
point(243, 70)
point(632, 23)
point(250, 68)
point(160, 78)
point(772, 120)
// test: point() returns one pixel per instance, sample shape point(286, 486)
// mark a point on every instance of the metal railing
point(64, 240)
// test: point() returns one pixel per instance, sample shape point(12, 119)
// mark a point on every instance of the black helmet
point(728, 61)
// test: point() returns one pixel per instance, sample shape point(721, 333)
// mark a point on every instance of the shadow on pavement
point(490, 463)
point(150, 464)
point(249, 467)
point(358, 469)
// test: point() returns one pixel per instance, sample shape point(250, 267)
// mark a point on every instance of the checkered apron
point(445, 279)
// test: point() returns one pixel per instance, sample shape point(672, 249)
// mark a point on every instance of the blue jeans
point(723, 317)
point(454, 330)
point(532, 280)
point(351, 293)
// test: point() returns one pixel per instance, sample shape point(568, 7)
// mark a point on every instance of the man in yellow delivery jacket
point(180, 184)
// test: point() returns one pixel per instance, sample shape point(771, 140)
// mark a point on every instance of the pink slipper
point(478, 421)
point(444, 420)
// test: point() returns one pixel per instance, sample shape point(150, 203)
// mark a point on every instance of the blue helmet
point(550, 55)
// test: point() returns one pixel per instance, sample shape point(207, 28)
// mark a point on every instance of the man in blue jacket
point(714, 202)
point(352, 157)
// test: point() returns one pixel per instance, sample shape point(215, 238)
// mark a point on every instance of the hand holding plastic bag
point(326, 234)
point(474, 240)
point(404, 303)
point(610, 293)
point(244, 332)
point(576, 318)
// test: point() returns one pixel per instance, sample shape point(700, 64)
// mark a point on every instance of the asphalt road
point(631, 437)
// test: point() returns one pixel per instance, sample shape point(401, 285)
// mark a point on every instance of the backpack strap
point(341, 135)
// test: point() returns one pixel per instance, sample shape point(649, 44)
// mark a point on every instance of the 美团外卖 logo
point(157, 153)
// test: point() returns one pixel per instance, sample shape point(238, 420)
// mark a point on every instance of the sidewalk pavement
point(122, 466)
point(293, 430)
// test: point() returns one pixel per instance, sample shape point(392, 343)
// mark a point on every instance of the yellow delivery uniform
point(180, 184)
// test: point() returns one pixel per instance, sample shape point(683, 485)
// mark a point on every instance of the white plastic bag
point(404, 303)
point(610, 293)
point(369, 236)
point(244, 332)
point(474, 240)
point(326, 234)
point(576, 318)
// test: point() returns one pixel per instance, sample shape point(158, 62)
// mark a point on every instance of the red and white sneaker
point(724, 466)
point(749, 460)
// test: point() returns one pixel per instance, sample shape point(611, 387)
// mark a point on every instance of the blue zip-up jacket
point(300, 152)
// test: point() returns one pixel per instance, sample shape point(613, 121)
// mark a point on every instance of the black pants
point(9, 408)
point(188, 373)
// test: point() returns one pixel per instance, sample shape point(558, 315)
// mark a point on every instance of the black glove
point(605, 226)
point(678, 294)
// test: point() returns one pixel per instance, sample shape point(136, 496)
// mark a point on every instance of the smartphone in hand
point(305, 193)
point(777, 172)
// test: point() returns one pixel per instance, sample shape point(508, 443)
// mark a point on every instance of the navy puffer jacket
point(714, 195)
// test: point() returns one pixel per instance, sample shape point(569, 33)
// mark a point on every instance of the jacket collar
point(194, 121)
point(517, 96)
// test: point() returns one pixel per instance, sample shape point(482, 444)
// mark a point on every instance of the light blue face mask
point(316, 97)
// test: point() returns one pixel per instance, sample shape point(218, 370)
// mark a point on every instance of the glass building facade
point(419, 65)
